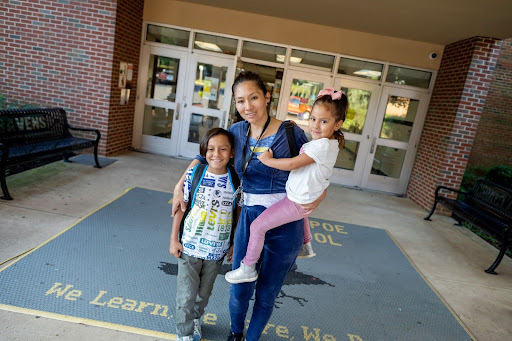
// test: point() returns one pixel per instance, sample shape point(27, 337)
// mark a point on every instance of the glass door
point(157, 113)
point(363, 99)
point(299, 93)
point(393, 140)
point(207, 99)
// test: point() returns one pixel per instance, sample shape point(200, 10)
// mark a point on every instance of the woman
point(261, 186)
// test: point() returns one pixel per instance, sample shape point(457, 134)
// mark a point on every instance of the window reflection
point(209, 86)
point(162, 78)
point(358, 101)
point(399, 118)
point(199, 125)
point(157, 121)
point(302, 96)
point(347, 155)
point(388, 161)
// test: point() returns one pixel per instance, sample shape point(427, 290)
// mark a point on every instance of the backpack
point(290, 135)
point(197, 177)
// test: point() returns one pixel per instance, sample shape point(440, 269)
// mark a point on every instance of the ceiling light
point(208, 46)
point(368, 73)
point(280, 59)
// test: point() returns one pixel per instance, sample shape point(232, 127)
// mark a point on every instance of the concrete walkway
point(49, 199)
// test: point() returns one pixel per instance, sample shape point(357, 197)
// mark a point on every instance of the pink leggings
point(282, 212)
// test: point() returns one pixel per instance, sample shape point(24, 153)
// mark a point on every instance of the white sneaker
point(184, 338)
point(306, 251)
point(197, 329)
point(243, 274)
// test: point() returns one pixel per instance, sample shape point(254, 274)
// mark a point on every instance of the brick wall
point(493, 140)
point(64, 53)
point(126, 49)
point(455, 107)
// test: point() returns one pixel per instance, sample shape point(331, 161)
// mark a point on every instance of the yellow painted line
point(431, 286)
point(90, 322)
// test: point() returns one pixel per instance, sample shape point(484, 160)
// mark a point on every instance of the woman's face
point(251, 102)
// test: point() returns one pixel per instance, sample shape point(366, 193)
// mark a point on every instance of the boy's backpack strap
point(290, 135)
point(197, 176)
point(235, 183)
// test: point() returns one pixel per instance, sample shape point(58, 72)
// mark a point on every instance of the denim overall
point(282, 244)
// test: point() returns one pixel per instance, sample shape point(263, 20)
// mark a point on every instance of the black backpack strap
point(290, 135)
point(197, 175)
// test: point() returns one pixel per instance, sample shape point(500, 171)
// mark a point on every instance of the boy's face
point(218, 153)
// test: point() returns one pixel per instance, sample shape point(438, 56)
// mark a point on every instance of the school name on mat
point(323, 238)
point(104, 300)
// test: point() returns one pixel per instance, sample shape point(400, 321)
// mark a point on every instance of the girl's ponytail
point(338, 134)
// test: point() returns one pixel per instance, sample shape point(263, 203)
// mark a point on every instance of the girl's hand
point(309, 208)
point(177, 200)
point(229, 256)
point(175, 249)
point(265, 156)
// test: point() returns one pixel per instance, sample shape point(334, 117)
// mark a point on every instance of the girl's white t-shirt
point(306, 184)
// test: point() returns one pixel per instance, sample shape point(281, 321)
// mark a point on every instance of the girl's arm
point(286, 164)
point(177, 197)
point(175, 247)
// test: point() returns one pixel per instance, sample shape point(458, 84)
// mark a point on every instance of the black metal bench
point(29, 137)
point(488, 207)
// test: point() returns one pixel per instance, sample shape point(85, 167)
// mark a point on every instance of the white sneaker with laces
point(243, 274)
point(197, 329)
point(184, 338)
point(306, 251)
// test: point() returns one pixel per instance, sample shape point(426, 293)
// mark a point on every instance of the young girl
point(309, 177)
point(205, 238)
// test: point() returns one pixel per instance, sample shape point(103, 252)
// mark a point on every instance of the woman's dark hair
point(245, 76)
point(339, 108)
point(203, 146)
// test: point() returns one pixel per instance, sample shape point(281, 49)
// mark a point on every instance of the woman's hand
point(309, 208)
point(177, 199)
point(175, 248)
point(177, 194)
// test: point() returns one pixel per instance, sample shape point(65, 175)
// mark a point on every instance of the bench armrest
point(98, 134)
point(448, 189)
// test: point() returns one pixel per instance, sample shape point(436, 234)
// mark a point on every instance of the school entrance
point(185, 89)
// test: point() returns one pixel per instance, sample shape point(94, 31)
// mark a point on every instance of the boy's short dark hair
point(203, 146)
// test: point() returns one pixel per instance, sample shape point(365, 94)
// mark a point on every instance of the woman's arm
point(175, 247)
point(177, 197)
point(313, 205)
point(285, 164)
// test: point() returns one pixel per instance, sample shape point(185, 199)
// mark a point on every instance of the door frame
point(149, 143)
point(353, 178)
point(388, 184)
point(184, 147)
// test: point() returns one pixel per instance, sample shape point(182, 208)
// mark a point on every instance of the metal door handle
point(177, 111)
point(372, 147)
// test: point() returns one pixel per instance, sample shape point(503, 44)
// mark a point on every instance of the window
point(360, 68)
point(264, 52)
point(167, 35)
point(214, 43)
point(404, 76)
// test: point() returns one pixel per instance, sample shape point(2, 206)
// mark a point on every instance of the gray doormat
point(88, 159)
point(113, 269)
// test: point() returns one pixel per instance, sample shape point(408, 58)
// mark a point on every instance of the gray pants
point(195, 284)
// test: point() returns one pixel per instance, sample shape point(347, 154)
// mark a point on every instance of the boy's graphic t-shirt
point(207, 227)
